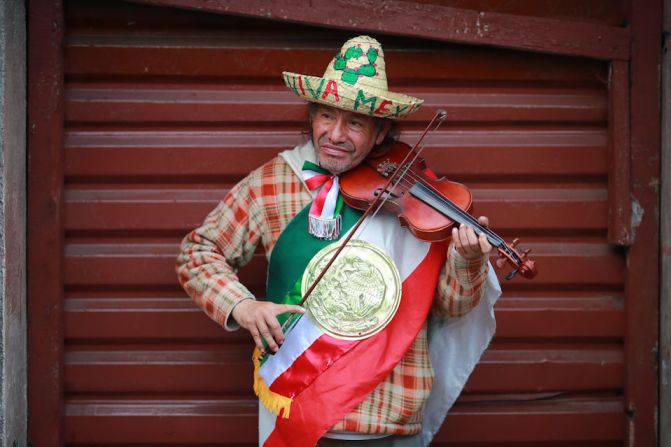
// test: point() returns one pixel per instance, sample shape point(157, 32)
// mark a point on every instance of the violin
point(397, 179)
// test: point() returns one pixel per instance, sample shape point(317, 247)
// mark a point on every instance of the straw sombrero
point(356, 80)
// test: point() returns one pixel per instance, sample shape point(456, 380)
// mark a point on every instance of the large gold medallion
point(359, 294)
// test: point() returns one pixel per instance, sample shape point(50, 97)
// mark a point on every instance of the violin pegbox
point(523, 265)
point(387, 167)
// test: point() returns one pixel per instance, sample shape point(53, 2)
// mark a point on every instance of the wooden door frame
point(45, 222)
point(634, 129)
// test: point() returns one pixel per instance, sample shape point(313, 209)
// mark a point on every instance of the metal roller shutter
point(167, 109)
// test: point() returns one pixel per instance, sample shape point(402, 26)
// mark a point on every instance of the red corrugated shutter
point(167, 109)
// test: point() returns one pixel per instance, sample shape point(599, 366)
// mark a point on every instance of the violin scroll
point(523, 265)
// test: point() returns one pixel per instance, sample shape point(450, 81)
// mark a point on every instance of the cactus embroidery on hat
point(351, 74)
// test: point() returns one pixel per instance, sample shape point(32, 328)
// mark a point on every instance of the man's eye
point(355, 123)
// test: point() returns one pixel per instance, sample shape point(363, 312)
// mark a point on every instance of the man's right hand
point(260, 319)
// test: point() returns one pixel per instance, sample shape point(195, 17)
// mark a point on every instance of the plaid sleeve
point(211, 254)
point(460, 285)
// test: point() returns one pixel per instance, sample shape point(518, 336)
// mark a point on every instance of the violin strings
point(467, 218)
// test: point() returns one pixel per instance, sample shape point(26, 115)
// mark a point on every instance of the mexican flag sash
point(314, 380)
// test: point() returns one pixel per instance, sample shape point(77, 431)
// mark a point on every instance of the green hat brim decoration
point(355, 80)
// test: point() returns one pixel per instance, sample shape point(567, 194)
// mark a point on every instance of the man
point(337, 380)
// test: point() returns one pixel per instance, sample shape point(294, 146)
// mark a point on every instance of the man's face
point(343, 139)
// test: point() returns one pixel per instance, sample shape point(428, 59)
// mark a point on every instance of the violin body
point(362, 185)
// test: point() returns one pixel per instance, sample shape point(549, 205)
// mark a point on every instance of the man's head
point(342, 139)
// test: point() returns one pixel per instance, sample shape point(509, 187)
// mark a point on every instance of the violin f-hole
point(391, 194)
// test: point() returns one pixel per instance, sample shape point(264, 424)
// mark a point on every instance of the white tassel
point(324, 228)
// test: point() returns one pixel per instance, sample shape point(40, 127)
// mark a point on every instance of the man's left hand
point(468, 244)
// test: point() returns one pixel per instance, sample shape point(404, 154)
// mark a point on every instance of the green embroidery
point(353, 53)
point(372, 55)
point(340, 63)
point(367, 70)
point(399, 110)
point(361, 99)
point(351, 75)
point(315, 93)
point(291, 82)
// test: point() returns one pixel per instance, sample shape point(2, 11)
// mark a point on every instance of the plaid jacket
point(257, 210)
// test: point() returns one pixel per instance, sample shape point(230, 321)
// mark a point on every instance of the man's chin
point(334, 165)
point(335, 169)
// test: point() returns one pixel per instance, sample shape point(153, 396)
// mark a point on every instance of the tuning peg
point(511, 275)
point(520, 261)
point(528, 269)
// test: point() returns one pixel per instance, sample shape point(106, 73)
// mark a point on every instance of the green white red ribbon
point(324, 221)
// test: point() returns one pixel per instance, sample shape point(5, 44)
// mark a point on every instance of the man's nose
point(337, 132)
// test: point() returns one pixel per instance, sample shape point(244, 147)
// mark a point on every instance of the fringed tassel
point(276, 403)
point(324, 228)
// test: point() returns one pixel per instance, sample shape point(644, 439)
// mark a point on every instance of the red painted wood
point(601, 11)
point(642, 281)
point(434, 22)
point(142, 57)
point(190, 421)
point(572, 314)
point(133, 371)
point(230, 422)
point(619, 169)
point(511, 211)
point(213, 104)
point(166, 316)
point(161, 372)
point(88, 265)
point(45, 223)
point(569, 153)
point(605, 12)
point(563, 420)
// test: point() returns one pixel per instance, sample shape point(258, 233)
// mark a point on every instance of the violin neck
point(445, 206)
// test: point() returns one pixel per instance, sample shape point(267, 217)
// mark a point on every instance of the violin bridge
point(387, 168)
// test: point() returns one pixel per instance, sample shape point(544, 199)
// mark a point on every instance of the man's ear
point(384, 130)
